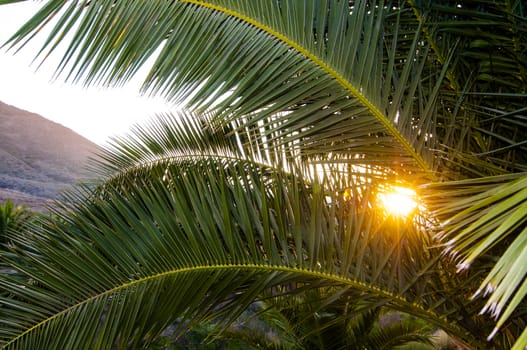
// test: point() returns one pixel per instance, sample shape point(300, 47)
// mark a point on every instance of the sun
point(398, 201)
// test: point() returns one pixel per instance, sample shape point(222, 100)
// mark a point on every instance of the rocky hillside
point(38, 158)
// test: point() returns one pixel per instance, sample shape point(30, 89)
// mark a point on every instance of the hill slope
point(38, 158)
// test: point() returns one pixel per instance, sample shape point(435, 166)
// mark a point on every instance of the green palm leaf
point(260, 64)
point(481, 215)
point(187, 239)
point(303, 110)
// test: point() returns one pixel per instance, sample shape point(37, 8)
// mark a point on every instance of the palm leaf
point(343, 95)
point(5, 2)
point(495, 36)
point(262, 66)
point(188, 239)
point(483, 213)
point(487, 80)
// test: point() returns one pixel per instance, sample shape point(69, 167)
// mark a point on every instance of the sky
point(94, 113)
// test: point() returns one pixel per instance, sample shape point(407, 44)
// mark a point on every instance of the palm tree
point(301, 114)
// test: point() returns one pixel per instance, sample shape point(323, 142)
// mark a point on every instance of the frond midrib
point(154, 161)
point(385, 122)
point(394, 300)
point(440, 57)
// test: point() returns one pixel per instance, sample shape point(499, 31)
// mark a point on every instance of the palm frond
point(479, 216)
point(5, 2)
point(305, 109)
point(263, 65)
point(487, 80)
point(179, 238)
point(493, 36)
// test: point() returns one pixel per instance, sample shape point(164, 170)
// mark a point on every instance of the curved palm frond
point(479, 214)
point(481, 218)
point(187, 239)
point(263, 65)
point(304, 102)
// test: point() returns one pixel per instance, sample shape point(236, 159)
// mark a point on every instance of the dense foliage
point(299, 115)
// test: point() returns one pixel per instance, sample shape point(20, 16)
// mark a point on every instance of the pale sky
point(94, 113)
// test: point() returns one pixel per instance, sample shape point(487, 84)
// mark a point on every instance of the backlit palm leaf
point(277, 65)
point(306, 108)
point(479, 215)
point(192, 238)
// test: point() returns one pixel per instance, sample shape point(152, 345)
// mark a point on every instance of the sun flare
point(398, 201)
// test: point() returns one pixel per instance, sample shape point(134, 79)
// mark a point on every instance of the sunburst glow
point(398, 201)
